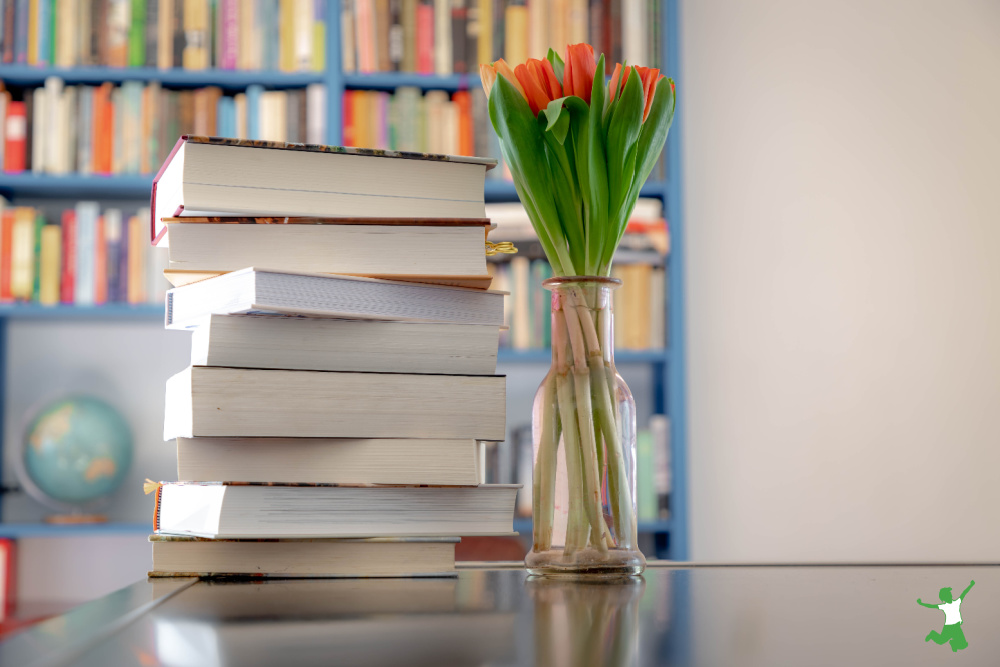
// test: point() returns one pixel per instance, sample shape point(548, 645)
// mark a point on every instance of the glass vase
point(583, 429)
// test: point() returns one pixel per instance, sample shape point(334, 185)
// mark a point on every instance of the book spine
point(231, 17)
point(459, 37)
point(50, 252)
point(515, 34)
point(67, 287)
point(408, 21)
point(303, 41)
point(21, 33)
point(7, 222)
point(9, 23)
point(136, 266)
point(36, 256)
point(137, 34)
point(318, 57)
point(22, 254)
point(254, 93)
point(86, 250)
point(394, 42)
point(425, 37)
point(151, 33)
point(179, 40)
point(442, 37)
point(286, 21)
point(100, 261)
point(15, 138)
point(37, 132)
point(348, 49)
point(43, 39)
point(165, 34)
point(112, 251)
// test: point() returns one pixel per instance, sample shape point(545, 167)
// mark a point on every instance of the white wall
point(842, 167)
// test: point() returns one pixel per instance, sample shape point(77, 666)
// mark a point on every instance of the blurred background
point(810, 312)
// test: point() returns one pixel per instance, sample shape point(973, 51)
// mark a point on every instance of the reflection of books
point(376, 557)
point(331, 621)
point(453, 640)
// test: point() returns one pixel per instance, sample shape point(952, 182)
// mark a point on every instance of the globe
point(76, 451)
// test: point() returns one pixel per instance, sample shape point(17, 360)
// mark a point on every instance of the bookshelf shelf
point(510, 356)
point(27, 75)
point(22, 530)
point(34, 311)
point(73, 186)
point(393, 80)
point(523, 526)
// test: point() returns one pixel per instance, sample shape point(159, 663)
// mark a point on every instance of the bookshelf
point(668, 365)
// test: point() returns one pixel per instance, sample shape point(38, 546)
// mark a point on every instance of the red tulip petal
point(578, 77)
point(554, 87)
point(536, 95)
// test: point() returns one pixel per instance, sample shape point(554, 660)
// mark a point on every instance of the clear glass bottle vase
point(583, 428)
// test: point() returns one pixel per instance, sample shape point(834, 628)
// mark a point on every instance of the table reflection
point(586, 623)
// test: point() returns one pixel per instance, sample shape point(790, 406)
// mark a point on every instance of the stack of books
point(343, 374)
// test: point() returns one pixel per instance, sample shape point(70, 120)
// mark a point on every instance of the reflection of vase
point(590, 623)
point(583, 424)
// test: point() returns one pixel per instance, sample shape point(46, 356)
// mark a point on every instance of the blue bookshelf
point(669, 365)
point(26, 530)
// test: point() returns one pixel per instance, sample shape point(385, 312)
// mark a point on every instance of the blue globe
point(77, 450)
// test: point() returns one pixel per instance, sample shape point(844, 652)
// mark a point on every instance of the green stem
point(545, 467)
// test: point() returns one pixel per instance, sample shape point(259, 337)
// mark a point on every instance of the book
point(289, 558)
point(208, 401)
point(253, 290)
point(391, 249)
point(219, 510)
point(209, 176)
point(15, 138)
point(261, 341)
point(330, 460)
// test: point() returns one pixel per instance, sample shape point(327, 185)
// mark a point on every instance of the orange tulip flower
point(488, 75)
point(539, 82)
point(578, 72)
point(648, 76)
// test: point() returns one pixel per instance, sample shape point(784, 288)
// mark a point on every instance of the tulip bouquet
point(579, 152)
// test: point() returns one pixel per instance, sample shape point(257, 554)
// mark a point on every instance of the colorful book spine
point(67, 288)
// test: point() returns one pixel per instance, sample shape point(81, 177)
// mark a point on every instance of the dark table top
point(679, 615)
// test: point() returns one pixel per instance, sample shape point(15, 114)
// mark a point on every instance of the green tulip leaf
point(557, 63)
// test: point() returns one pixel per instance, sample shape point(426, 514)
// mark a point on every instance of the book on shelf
point(331, 460)
point(176, 556)
point(131, 128)
point(78, 256)
point(327, 344)
point(211, 401)
point(422, 250)
point(326, 295)
point(209, 176)
point(446, 37)
point(193, 34)
point(231, 510)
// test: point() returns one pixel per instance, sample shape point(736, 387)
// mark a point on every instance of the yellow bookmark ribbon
point(150, 486)
point(502, 248)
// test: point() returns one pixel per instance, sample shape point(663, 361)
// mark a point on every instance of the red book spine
point(104, 126)
point(16, 142)
point(100, 264)
point(425, 38)
point(67, 285)
point(6, 239)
